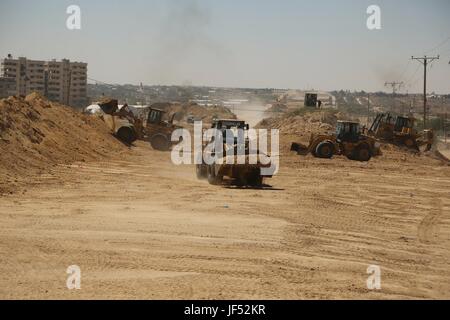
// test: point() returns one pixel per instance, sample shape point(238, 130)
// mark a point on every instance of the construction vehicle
point(157, 131)
point(311, 100)
point(121, 122)
point(243, 174)
point(128, 127)
point(348, 141)
point(400, 131)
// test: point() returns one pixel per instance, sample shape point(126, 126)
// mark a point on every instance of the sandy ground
point(446, 153)
point(140, 227)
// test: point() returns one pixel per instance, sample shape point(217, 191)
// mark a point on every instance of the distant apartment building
point(27, 74)
point(61, 81)
point(66, 82)
point(7, 87)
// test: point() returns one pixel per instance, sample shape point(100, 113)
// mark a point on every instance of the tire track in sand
point(428, 229)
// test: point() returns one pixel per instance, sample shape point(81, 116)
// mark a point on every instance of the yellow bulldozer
point(400, 131)
point(347, 141)
point(149, 127)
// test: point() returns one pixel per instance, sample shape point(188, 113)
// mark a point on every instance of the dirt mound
point(302, 125)
point(36, 135)
point(303, 122)
point(297, 128)
point(277, 110)
point(206, 114)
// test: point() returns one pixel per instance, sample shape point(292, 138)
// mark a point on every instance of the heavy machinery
point(311, 100)
point(243, 174)
point(157, 131)
point(128, 127)
point(347, 141)
point(122, 123)
point(400, 131)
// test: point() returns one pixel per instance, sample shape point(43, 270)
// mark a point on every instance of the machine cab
point(311, 100)
point(233, 125)
point(155, 116)
point(347, 131)
point(230, 125)
point(402, 123)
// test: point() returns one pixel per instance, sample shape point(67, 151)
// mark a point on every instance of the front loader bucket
point(109, 106)
point(300, 149)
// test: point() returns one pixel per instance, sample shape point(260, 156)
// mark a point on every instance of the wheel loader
point(347, 141)
point(400, 131)
point(159, 132)
point(122, 122)
point(243, 174)
point(128, 127)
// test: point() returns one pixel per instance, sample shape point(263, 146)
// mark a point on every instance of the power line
point(100, 82)
point(413, 76)
point(396, 85)
point(439, 45)
point(405, 70)
point(413, 80)
point(425, 61)
point(412, 84)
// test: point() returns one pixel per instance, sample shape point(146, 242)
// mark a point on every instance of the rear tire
point(160, 143)
point(324, 150)
point(201, 171)
point(212, 177)
point(256, 181)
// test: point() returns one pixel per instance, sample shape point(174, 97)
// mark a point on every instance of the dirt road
point(140, 227)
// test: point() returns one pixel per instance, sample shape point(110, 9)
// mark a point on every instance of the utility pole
point(425, 61)
point(368, 110)
point(445, 127)
point(410, 107)
point(444, 118)
point(445, 123)
point(395, 87)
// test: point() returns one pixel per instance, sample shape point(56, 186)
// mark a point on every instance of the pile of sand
point(296, 128)
point(36, 135)
point(301, 125)
point(277, 110)
point(204, 113)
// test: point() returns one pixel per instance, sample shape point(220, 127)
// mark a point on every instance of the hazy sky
point(238, 43)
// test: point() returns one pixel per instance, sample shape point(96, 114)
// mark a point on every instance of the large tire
point(362, 153)
point(201, 171)
point(410, 143)
point(160, 142)
point(212, 177)
point(324, 150)
point(256, 180)
point(127, 135)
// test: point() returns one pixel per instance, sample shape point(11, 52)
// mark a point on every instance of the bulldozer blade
point(424, 147)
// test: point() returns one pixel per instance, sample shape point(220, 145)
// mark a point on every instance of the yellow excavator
point(347, 141)
point(400, 131)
